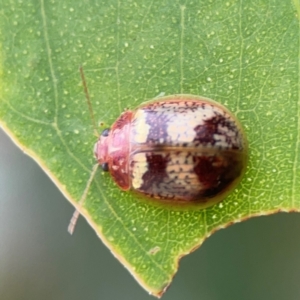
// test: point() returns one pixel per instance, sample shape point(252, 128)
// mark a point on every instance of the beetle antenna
point(76, 213)
point(88, 100)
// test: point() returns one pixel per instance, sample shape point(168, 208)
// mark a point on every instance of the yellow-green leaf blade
point(244, 55)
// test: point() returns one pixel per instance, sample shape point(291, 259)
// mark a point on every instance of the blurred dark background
point(257, 259)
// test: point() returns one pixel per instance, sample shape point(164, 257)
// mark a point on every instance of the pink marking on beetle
point(114, 150)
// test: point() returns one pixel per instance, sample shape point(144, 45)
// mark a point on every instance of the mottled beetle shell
point(180, 148)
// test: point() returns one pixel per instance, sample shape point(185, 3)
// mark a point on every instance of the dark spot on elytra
point(157, 122)
point(215, 173)
point(156, 173)
point(206, 131)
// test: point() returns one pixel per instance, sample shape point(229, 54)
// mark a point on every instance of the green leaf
point(244, 54)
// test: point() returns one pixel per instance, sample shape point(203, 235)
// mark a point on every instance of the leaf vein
point(54, 81)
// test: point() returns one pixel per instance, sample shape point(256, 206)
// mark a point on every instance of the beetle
point(175, 149)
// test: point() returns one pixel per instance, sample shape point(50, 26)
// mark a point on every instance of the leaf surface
point(242, 54)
